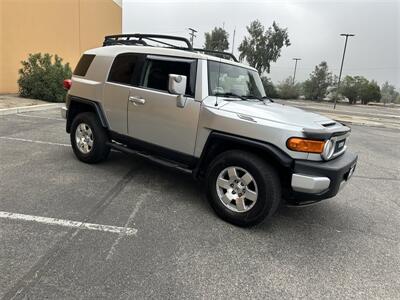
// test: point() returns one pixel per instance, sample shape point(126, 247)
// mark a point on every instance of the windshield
point(226, 79)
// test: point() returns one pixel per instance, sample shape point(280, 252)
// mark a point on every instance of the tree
point(389, 93)
point(349, 89)
point(269, 87)
point(217, 39)
point(359, 88)
point(370, 91)
point(41, 77)
point(316, 87)
point(288, 90)
point(262, 46)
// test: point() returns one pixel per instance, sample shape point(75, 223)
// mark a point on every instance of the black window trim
point(137, 71)
point(91, 58)
point(168, 58)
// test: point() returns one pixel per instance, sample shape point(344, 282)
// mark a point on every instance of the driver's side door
point(153, 115)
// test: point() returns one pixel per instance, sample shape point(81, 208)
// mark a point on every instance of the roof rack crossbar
point(126, 39)
point(164, 43)
point(216, 53)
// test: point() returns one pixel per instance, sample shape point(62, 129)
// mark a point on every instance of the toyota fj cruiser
point(204, 113)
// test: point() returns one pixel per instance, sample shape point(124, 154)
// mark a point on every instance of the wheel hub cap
point(237, 189)
point(84, 138)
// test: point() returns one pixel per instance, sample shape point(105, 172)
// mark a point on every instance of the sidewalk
point(13, 104)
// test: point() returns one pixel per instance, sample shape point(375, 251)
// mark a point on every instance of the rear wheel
point(242, 188)
point(89, 139)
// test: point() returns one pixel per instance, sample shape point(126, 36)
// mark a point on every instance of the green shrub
point(42, 78)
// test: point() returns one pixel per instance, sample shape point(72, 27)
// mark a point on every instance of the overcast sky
point(314, 28)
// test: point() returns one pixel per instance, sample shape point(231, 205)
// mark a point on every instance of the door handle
point(137, 100)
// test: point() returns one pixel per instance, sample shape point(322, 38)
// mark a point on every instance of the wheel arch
point(78, 105)
point(219, 142)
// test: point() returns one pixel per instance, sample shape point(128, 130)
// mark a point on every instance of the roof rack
point(139, 39)
point(220, 54)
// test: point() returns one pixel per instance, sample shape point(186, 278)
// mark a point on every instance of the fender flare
point(96, 107)
point(277, 154)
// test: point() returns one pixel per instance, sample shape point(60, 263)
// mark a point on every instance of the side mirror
point(177, 86)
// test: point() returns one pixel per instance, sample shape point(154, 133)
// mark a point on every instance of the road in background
point(377, 116)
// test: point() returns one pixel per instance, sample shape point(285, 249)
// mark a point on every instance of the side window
point(123, 67)
point(157, 71)
point(84, 64)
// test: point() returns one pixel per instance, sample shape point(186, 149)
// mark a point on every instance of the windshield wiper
point(230, 95)
point(252, 97)
point(268, 98)
point(258, 98)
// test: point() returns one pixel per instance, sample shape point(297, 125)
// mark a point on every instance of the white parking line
point(127, 231)
point(32, 141)
point(40, 117)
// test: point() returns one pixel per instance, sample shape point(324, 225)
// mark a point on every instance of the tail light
point(67, 84)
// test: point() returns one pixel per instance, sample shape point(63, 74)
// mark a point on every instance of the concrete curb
point(21, 109)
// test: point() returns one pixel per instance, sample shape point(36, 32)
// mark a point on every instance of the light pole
point(192, 35)
point(341, 66)
point(295, 68)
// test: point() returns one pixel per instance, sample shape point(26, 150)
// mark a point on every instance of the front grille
point(340, 144)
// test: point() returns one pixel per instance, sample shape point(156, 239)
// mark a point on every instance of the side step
point(166, 163)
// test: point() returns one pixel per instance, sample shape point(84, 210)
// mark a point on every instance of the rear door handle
point(137, 100)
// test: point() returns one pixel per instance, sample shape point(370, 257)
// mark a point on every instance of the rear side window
point(123, 67)
point(84, 64)
point(157, 73)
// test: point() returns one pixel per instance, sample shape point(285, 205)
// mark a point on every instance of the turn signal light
point(304, 145)
point(67, 84)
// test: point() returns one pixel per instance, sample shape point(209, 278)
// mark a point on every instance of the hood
point(277, 113)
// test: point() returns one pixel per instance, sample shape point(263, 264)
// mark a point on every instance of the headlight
point(329, 148)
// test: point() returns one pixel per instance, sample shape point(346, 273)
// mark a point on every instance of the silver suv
point(204, 113)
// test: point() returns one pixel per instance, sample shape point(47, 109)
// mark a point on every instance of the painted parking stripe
point(40, 117)
point(128, 231)
point(32, 141)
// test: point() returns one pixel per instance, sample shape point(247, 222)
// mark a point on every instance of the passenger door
point(153, 115)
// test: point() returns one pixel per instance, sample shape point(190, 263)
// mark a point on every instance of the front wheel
point(242, 188)
point(89, 139)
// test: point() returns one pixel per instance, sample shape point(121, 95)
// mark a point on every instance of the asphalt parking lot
point(151, 234)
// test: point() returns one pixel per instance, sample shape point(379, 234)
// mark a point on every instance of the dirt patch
point(12, 101)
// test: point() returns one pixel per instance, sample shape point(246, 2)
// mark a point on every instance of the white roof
point(117, 49)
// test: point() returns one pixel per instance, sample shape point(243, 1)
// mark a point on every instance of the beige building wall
point(63, 27)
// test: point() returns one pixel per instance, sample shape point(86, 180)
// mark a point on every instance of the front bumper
point(64, 112)
point(313, 181)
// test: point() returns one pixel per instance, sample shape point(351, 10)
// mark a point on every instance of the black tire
point(99, 151)
point(267, 183)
